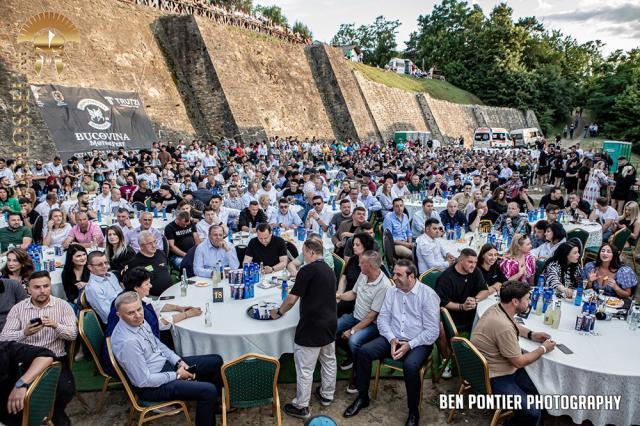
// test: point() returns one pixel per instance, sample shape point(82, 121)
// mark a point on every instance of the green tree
point(274, 13)
point(377, 40)
point(302, 30)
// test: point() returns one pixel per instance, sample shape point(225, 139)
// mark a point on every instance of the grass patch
point(436, 88)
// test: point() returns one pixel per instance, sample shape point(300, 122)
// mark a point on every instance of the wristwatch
point(21, 384)
point(529, 334)
point(352, 331)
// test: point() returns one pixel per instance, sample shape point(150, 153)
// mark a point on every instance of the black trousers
point(380, 348)
point(64, 393)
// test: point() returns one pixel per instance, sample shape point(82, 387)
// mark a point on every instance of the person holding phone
point(48, 322)
point(496, 337)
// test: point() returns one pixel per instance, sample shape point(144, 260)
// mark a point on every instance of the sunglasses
point(317, 204)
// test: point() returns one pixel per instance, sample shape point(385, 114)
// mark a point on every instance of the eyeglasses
point(284, 206)
point(100, 264)
point(317, 204)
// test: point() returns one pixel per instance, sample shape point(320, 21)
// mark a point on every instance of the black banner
point(82, 119)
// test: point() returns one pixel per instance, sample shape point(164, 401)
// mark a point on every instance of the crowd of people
point(209, 9)
point(353, 192)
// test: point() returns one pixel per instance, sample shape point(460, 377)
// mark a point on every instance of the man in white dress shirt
point(399, 189)
point(420, 216)
point(409, 324)
point(319, 216)
point(284, 217)
point(429, 249)
point(102, 202)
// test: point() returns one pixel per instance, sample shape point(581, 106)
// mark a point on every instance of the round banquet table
point(233, 332)
point(602, 364)
point(413, 205)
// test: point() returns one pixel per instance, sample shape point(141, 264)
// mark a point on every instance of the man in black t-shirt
point(460, 287)
point(142, 193)
point(153, 261)
point(266, 249)
point(181, 235)
point(165, 198)
point(251, 216)
point(316, 331)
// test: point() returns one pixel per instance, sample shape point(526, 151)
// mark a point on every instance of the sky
point(614, 22)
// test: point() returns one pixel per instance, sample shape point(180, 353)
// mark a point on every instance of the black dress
point(571, 182)
point(351, 273)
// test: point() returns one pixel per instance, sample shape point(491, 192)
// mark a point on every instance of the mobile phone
point(37, 321)
point(564, 349)
point(192, 368)
point(519, 320)
point(167, 297)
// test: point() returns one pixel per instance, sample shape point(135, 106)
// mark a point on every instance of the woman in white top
point(554, 236)
point(57, 228)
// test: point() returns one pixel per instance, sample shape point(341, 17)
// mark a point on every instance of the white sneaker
point(446, 374)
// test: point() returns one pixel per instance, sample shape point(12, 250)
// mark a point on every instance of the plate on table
point(261, 311)
point(613, 302)
point(202, 284)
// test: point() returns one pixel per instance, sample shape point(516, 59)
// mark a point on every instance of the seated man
point(56, 327)
point(480, 213)
point(409, 324)
point(251, 216)
point(319, 217)
point(146, 224)
point(155, 372)
point(429, 249)
point(284, 217)
point(452, 216)
point(537, 236)
point(398, 224)
point(359, 327)
point(553, 197)
point(266, 249)
point(16, 233)
point(606, 216)
point(348, 228)
point(552, 213)
point(494, 337)
point(577, 206)
point(153, 261)
point(460, 288)
point(84, 232)
point(511, 222)
point(22, 364)
point(419, 218)
point(103, 286)
point(294, 266)
point(213, 253)
point(367, 228)
point(181, 235)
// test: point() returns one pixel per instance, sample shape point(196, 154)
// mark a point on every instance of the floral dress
point(597, 179)
point(510, 267)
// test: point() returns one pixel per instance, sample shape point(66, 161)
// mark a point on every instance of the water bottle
point(333, 203)
point(208, 316)
point(541, 212)
point(579, 290)
point(155, 212)
point(36, 262)
point(285, 289)
point(448, 231)
point(183, 284)
point(457, 232)
point(99, 215)
point(535, 297)
point(331, 230)
point(230, 236)
point(164, 213)
point(540, 287)
point(301, 233)
point(535, 214)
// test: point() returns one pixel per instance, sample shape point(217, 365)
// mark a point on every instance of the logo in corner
point(49, 32)
point(98, 113)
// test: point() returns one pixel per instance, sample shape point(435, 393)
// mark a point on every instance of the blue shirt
point(101, 291)
point(142, 355)
point(624, 277)
point(399, 227)
point(207, 257)
point(290, 219)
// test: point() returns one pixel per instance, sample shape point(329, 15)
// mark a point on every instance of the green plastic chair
point(397, 366)
point(580, 234)
point(430, 276)
point(618, 240)
point(251, 380)
point(539, 269)
point(41, 395)
point(338, 266)
point(474, 372)
point(93, 338)
point(450, 331)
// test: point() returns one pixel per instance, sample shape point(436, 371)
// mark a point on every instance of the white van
point(526, 138)
point(491, 137)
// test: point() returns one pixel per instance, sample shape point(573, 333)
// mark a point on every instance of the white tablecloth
point(606, 364)
point(593, 228)
point(233, 332)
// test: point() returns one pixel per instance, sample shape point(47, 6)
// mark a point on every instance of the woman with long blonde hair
point(630, 219)
point(518, 263)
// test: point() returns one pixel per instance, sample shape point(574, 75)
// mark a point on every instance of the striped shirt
point(51, 338)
